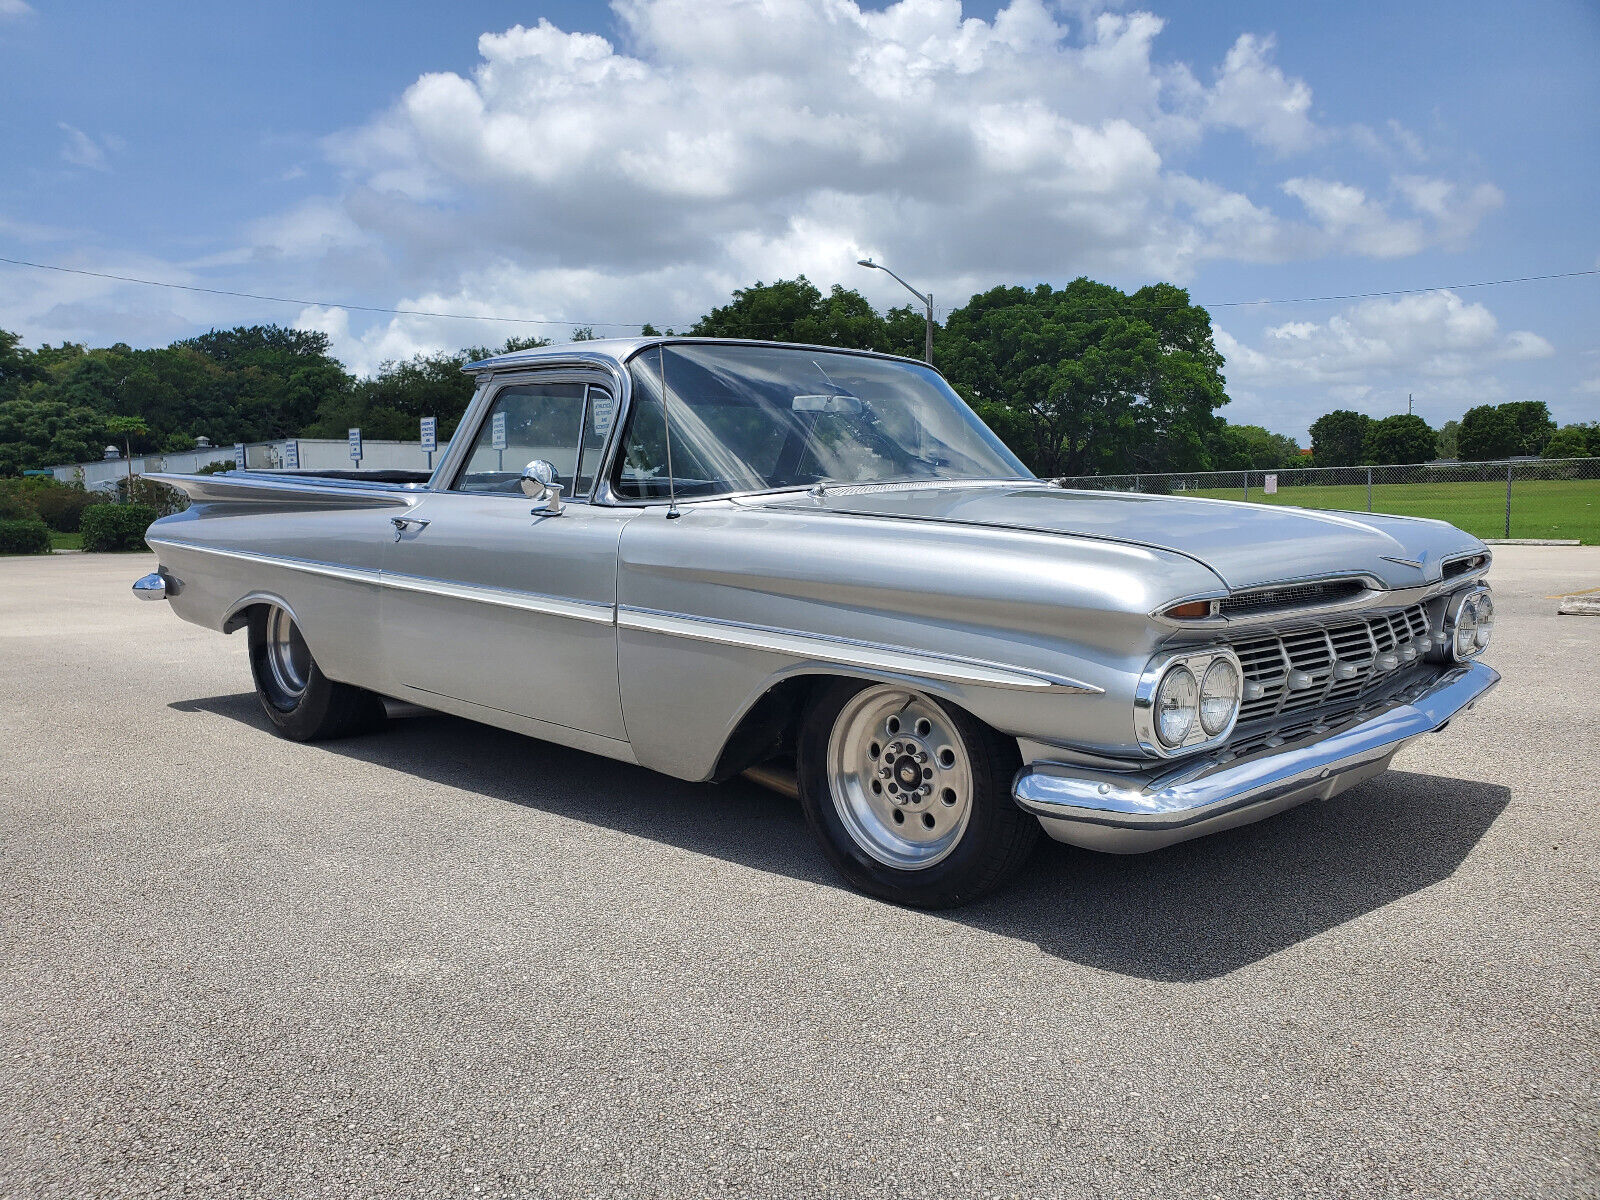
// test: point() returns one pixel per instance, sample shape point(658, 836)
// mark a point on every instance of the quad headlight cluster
point(1469, 623)
point(1187, 700)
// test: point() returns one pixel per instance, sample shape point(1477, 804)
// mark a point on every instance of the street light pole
point(927, 346)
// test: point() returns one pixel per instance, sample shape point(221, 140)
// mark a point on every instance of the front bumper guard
point(1127, 813)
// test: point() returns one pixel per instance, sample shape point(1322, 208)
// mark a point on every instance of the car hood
point(1245, 545)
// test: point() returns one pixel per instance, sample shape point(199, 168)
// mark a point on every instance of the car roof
point(619, 350)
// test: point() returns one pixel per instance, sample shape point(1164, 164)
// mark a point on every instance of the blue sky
point(1246, 151)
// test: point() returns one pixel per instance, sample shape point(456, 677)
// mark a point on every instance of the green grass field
point(1540, 508)
point(66, 541)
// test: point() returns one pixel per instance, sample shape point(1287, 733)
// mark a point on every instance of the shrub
point(61, 508)
point(147, 492)
point(212, 468)
point(116, 526)
point(29, 536)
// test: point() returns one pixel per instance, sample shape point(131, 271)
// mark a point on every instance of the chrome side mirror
point(539, 483)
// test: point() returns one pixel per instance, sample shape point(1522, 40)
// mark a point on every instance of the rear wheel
point(909, 796)
point(300, 701)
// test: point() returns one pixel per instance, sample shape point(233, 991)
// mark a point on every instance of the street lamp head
point(866, 262)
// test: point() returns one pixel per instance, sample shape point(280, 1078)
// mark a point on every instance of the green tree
point(1088, 378)
point(1574, 441)
point(1487, 432)
point(1402, 438)
point(795, 310)
point(1533, 424)
point(1253, 448)
point(1449, 445)
point(1339, 438)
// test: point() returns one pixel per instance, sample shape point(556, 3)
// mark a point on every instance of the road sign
point(498, 431)
point(430, 434)
point(355, 445)
point(291, 454)
point(238, 456)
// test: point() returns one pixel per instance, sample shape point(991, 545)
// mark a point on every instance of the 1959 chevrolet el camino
point(710, 558)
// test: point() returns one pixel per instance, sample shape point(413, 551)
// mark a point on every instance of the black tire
point(316, 709)
point(986, 852)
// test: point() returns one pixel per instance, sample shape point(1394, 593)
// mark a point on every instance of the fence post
point(1136, 486)
point(1508, 499)
point(1247, 485)
point(1369, 489)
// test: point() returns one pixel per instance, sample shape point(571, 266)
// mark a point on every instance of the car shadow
point(1192, 912)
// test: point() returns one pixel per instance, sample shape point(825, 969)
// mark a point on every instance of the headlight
point(1485, 619)
point(1469, 622)
point(1219, 696)
point(1177, 704)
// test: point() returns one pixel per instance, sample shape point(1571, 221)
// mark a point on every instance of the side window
point(526, 421)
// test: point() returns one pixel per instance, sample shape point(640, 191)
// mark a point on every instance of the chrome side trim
point(895, 659)
point(1131, 813)
point(308, 566)
point(577, 610)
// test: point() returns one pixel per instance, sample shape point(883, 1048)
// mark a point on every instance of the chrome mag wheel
point(288, 658)
point(900, 777)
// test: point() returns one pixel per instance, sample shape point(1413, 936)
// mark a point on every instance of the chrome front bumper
point(1129, 813)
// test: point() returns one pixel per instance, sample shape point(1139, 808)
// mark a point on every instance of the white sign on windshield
point(430, 433)
point(355, 445)
point(497, 431)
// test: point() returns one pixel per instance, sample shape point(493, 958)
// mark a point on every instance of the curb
point(1531, 542)
point(1580, 606)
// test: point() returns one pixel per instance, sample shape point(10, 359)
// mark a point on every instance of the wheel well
point(769, 726)
point(242, 616)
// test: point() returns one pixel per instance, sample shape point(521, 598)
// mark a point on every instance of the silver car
point(819, 567)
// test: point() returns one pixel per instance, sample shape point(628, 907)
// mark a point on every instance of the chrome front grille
point(1305, 669)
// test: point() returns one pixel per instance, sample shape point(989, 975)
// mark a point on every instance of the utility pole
point(927, 351)
point(1408, 404)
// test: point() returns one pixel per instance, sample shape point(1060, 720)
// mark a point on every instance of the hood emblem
point(1407, 562)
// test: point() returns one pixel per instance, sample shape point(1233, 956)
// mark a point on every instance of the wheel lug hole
point(927, 820)
point(899, 817)
point(948, 797)
point(924, 727)
point(947, 758)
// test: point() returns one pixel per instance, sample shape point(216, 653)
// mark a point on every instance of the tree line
point(1080, 380)
point(1485, 433)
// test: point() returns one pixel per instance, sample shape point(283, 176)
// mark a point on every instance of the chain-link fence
point(1516, 498)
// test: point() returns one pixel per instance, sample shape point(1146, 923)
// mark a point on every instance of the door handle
point(401, 524)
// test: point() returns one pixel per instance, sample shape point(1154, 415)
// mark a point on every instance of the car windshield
point(760, 418)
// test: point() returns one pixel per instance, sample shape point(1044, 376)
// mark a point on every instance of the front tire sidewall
point(993, 845)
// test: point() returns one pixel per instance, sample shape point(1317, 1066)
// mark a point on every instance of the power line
point(414, 312)
point(1445, 287)
point(403, 312)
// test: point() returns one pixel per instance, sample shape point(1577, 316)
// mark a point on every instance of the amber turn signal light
point(1191, 611)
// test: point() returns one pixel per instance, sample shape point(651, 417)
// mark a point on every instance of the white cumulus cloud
point(1433, 334)
point(718, 142)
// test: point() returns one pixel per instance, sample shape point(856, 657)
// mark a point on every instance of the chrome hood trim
point(1244, 545)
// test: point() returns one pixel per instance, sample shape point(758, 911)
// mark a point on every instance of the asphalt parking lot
point(445, 960)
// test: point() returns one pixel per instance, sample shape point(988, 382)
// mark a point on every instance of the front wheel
point(910, 797)
point(300, 701)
